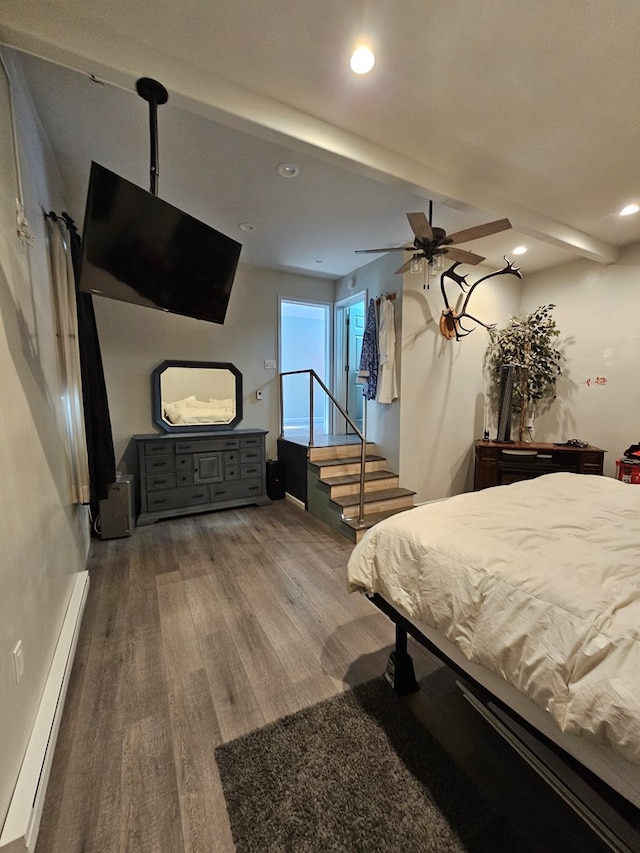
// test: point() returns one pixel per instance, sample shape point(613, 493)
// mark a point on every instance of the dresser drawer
point(176, 498)
point(248, 471)
point(154, 464)
point(591, 463)
point(251, 441)
point(250, 454)
point(207, 445)
point(233, 489)
point(161, 481)
point(154, 448)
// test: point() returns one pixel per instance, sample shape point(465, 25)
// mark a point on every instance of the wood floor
point(200, 629)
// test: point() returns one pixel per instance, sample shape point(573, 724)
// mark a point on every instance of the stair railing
point(313, 377)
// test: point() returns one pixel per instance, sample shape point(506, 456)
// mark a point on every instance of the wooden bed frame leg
point(400, 672)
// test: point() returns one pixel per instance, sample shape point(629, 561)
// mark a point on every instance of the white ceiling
point(509, 108)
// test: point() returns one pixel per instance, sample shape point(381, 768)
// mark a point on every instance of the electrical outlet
point(18, 661)
point(269, 364)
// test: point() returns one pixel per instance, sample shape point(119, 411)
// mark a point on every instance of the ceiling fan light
point(436, 263)
point(629, 209)
point(416, 266)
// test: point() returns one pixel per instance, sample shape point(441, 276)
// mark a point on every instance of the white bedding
point(194, 411)
point(539, 582)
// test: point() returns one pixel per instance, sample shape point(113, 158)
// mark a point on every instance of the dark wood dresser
point(498, 463)
point(180, 474)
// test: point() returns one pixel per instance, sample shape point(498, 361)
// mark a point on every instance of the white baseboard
point(20, 829)
point(295, 500)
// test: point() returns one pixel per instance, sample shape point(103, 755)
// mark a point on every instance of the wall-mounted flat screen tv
point(138, 248)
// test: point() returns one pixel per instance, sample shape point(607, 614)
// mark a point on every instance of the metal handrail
point(361, 435)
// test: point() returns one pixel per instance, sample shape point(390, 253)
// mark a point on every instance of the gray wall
point(134, 340)
point(596, 311)
point(44, 537)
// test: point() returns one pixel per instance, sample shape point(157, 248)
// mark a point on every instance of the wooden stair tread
point(371, 497)
point(348, 479)
point(345, 460)
point(320, 453)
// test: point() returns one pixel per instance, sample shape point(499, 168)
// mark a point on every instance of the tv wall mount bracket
point(155, 94)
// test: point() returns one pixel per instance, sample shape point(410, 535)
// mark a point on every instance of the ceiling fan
point(431, 243)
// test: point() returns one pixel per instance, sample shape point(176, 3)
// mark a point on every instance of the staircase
point(333, 488)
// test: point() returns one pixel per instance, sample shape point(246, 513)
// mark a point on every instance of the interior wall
point(442, 381)
point(383, 419)
point(596, 307)
point(44, 537)
point(135, 340)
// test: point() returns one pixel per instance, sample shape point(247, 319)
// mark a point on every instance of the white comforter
point(538, 581)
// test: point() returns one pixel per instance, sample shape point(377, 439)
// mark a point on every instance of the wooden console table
point(498, 463)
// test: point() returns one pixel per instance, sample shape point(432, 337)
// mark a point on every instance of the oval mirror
point(196, 396)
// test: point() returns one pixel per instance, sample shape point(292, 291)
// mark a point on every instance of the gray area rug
point(354, 773)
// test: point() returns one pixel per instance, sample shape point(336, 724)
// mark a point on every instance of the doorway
point(350, 325)
point(305, 343)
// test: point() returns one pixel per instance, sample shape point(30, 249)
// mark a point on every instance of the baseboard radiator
point(20, 830)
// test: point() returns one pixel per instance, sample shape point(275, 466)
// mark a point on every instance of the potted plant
point(528, 342)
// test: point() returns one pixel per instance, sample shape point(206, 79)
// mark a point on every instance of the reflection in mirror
point(197, 396)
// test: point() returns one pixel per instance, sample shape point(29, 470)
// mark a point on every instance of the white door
point(350, 324)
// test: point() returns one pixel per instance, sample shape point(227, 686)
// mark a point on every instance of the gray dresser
point(180, 474)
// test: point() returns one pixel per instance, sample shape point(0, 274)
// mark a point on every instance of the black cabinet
point(182, 474)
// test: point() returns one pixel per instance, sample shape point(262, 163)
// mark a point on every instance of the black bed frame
point(611, 816)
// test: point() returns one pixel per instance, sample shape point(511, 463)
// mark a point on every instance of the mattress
point(534, 587)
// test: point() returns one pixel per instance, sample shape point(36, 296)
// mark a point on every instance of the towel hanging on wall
point(368, 370)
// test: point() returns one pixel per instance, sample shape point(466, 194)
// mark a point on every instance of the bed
point(531, 592)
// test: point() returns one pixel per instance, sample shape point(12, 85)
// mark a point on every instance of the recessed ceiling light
point(629, 209)
point(246, 226)
point(288, 170)
point(519, 250)
point(362, 60)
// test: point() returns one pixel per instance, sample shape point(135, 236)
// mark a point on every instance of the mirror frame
point(156, 396)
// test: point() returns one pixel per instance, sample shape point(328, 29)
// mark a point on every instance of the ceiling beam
point(118, 61)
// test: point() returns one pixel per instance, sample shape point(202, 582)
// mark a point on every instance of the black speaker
point(275, 480)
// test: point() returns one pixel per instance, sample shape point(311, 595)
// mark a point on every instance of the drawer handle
point(252, 489)
point(221, 492)
point(161, 482)
point(251, 455)
point(250, 470)
point(160, 501)
point(200, 495)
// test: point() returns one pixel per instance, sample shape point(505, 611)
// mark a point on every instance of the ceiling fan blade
point(388, 249)
point(478, 231)
point(404, 268)
point(462, 256)
point(420, 226)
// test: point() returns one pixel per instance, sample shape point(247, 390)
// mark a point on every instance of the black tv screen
point(138, 248)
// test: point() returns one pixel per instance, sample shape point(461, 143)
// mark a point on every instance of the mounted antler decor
point(450, 320)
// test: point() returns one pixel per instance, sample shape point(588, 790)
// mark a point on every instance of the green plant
point(528, 342)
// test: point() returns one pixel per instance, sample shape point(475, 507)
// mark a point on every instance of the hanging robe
point(368, 369)
point(387, 380)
